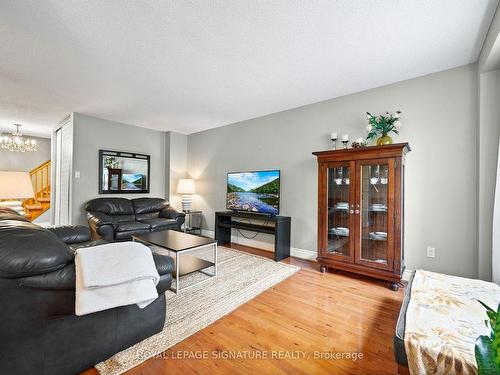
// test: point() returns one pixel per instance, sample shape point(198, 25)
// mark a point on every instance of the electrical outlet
point(431, 252)
point(77, 174)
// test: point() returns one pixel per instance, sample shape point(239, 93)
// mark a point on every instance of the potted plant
point(110, 162)
point(487, 348)
point(382, 125)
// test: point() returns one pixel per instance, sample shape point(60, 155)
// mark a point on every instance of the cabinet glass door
point(375, 213)
point(339, 191)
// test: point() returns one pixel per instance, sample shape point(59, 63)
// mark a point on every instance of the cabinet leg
point(322, 269)
point(394, 286)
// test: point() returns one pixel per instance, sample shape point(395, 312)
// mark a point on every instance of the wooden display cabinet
point(360, 210)
point(114, 179)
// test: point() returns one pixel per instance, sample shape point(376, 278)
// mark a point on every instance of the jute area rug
point(241, 277)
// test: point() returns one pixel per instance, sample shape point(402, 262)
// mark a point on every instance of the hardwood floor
point(307, 316)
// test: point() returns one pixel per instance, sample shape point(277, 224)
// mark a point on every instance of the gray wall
point(439, 120)
point(167, 164)
point(92, 134)
point(489, 134)
point(25, 161)
point(176, 167)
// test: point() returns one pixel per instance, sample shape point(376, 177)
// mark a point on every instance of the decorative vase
point(384, 140)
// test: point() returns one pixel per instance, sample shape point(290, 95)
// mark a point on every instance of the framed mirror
point(123, 172)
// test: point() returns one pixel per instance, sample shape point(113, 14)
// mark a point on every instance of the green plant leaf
point(382, 124)
point(486, 306)
point(485, 356)
point(492, 316)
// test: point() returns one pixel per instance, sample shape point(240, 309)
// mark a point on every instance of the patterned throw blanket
point(443, 321)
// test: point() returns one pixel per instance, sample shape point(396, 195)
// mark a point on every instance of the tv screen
point(254, 191)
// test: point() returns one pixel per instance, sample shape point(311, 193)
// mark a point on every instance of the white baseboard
point(303, 253)
point(264, 245)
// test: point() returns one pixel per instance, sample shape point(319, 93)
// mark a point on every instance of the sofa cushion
point(27, 249)
point(159, 222)
point(123, 218)
point(129, 226)
point(149, 215)
point(110, 206)
point(148, 205)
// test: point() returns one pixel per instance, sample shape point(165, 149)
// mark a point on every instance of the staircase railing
point(40, 178)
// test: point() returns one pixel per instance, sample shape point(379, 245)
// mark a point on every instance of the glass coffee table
point(182, 243)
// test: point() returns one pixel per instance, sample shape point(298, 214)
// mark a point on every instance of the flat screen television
point(257, 192)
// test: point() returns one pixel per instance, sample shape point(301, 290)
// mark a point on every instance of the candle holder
point(334, 143)
point(345, 140)
point(333, 137)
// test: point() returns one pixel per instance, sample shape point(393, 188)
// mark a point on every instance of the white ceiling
point(192, 65)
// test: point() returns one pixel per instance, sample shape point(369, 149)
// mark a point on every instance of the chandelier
point(17, 142)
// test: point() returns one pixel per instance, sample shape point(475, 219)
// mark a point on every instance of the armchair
point(39, 331)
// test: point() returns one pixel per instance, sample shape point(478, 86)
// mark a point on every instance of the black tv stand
point(279, 226)
point(256, 215)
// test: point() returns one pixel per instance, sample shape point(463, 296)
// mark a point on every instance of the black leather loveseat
point(39, 331)
point(117, 219)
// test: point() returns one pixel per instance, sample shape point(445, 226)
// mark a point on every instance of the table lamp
point(14, 186)
point(186, 188)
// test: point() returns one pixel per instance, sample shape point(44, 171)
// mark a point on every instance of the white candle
point(345, 138)
point(333, 136)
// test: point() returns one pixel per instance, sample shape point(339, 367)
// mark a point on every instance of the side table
point(192, 224)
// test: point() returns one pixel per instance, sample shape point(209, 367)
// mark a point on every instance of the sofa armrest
point(171, 213)
point(65, 278)
point(28, 250)
point(62, 279)
point(102, 226)
point(71, 234)
point(164, 264)
point(98, 219)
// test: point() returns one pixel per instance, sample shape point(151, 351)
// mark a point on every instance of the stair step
point(33, 207)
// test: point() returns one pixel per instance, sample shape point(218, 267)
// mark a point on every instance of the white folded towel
point(112, 275)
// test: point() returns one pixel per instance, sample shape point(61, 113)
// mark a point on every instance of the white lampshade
point(186, 186)
point(15, 185)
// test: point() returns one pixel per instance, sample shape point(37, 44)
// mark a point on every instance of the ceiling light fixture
point(17, 142)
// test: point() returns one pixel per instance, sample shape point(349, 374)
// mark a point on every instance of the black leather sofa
point(117, 219)
point(39, 331)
